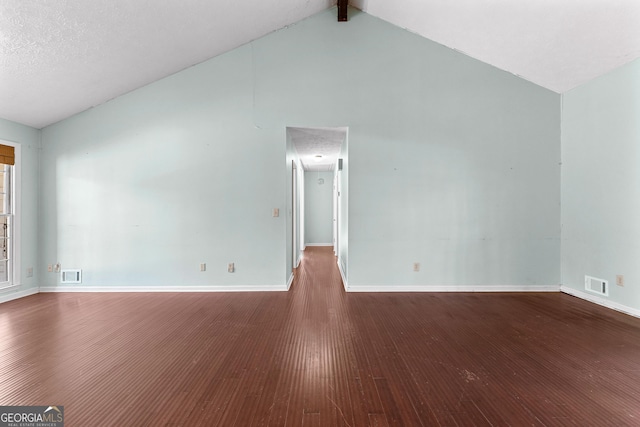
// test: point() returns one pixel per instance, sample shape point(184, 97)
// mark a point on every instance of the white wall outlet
point(56, 268)
point(50, 268)
point(29, 271)
point(416, 266)
point(231, 267)
point(620, 280)
point(203, 267)
point(276, 212)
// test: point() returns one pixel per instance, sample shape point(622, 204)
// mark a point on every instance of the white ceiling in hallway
point(313, 142)
point(60, 57)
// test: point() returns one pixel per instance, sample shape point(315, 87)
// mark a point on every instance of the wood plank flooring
point(316, 356)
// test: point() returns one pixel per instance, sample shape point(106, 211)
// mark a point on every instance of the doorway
point(316, 157)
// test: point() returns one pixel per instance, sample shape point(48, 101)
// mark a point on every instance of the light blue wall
point(141, 190)
point(318, 208)
point(601, 184)
point(29, 140)
point(452, 163)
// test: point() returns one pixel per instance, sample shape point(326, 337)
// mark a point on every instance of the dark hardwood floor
point(316, 356)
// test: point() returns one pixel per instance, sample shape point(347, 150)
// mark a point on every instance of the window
point(6, 215)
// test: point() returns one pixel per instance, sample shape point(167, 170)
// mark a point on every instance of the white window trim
point(16, 272)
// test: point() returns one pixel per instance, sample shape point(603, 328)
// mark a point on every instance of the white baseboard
point(471, 288)
point(344, 279)
point(601, 301)
point(290, 281)
point(319, 244)
point(281, 288)
point(16, 295)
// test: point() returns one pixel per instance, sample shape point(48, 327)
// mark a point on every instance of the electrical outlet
point(50, 268)
point(30, 272)
point(203, 267)
point(56, 268)
point(620, 280)
point(416, 266)
point(231, 267)
point(275, 213)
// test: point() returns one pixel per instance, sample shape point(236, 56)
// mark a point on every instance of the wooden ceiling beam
point(342, 10)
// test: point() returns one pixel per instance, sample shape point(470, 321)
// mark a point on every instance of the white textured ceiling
point(313, 142)
point(60, 57)
point(557, 44)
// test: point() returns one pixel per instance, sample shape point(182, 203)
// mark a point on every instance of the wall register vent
point(596, 286)
point(71, 276)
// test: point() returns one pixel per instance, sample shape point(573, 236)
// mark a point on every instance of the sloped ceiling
point(557, 44)
point(60, 57)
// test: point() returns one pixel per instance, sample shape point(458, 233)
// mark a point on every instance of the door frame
point(295, 214)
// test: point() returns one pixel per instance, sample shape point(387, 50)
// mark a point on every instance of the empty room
point(320, 213)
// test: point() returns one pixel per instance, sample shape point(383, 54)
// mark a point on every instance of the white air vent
point(71, 276)
point(597, 286)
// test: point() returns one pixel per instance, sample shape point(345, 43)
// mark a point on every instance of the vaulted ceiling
point(60, 57)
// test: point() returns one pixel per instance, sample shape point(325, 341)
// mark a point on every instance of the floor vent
point(597, 286)
point(71, 276)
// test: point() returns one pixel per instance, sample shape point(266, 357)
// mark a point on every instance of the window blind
point(7, 155)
